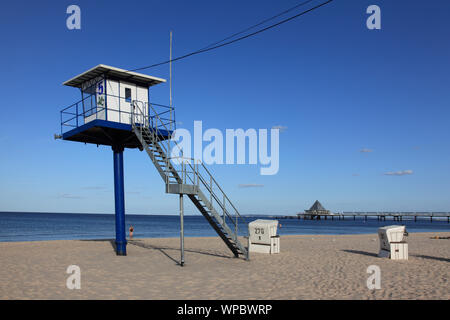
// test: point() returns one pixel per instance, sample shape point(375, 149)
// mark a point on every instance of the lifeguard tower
point(115, 110)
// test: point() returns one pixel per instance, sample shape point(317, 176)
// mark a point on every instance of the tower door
point(130, 93)
point(127, 95)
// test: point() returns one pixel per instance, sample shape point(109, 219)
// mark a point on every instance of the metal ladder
point(189, 177)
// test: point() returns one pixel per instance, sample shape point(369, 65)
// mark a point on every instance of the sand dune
point(308, 267)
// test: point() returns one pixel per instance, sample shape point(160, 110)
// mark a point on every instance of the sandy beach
point(308, 267)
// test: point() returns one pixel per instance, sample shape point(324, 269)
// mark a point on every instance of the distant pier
point(381, 216)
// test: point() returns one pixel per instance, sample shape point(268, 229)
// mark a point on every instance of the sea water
point(21, 226)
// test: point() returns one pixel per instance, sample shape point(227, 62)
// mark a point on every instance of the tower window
point(127, 94)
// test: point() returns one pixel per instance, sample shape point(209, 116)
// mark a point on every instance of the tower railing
point(115, 109)
point(76, 114)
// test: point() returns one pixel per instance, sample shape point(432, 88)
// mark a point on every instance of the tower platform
point(102, 132)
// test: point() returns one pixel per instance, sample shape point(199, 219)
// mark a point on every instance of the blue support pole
point(119, 197)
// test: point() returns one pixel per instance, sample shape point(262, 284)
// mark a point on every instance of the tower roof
point(317, 206)
point(120, 74)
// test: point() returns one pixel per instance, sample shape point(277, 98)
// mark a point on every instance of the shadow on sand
point(162, 249)
point(370, 254)
point(414, 255)
point(430, 257)
point(146, 246)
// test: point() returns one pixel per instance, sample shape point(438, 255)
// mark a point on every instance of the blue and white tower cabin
point(103, 116)
point(112, 101)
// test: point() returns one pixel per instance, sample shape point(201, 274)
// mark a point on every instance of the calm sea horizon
point(40, 226)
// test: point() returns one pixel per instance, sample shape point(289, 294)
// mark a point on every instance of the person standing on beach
point(131, 232)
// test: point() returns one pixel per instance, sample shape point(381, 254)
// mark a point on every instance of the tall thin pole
point(181, 230)
point(170, 97)
point(170, 80)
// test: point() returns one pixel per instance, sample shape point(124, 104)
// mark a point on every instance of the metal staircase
point(188, 177)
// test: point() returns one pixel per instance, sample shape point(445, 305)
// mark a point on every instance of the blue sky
point(336, 86)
